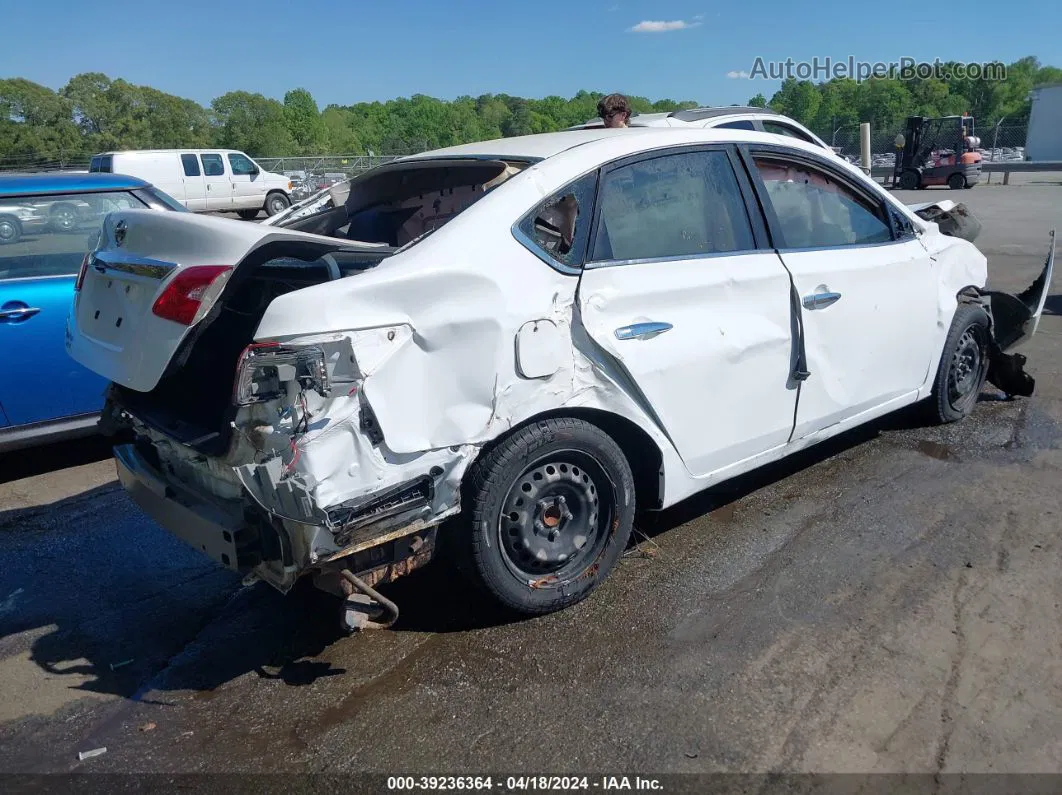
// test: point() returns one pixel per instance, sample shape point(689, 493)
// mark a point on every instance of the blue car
point(48, 222)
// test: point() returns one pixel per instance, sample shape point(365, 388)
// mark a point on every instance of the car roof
point(686, 115)
point(27, 184)
point(530, 147)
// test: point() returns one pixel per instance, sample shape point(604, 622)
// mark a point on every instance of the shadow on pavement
point(134, 612)
point(1053, 305)
point(33, 461)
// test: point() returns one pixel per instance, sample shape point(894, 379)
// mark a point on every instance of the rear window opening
point(398, 204)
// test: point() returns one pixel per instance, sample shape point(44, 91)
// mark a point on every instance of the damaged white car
point(532, 336)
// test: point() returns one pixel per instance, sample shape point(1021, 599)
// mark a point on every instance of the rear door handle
point(820, 300)
point(19, 314)
point(642, 331)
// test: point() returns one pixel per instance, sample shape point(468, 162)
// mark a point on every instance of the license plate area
point(111, 306)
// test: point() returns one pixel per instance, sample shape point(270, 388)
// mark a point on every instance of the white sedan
point(533, 335)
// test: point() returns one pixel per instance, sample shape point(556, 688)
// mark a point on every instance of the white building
point(1044, 140)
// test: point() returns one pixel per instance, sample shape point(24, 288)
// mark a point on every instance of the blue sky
point(346, 52)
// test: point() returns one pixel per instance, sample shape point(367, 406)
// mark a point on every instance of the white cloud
point(649, 26)
point(698, 16)
point(735, 74)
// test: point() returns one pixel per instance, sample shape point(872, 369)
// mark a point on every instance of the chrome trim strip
point(128, 263)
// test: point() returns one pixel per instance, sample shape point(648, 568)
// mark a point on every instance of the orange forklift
point(937, 152)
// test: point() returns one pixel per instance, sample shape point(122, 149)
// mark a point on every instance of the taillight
point(265, 369)
point(185, 296)
point(81, 273)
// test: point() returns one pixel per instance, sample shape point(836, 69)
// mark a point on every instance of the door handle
point(820, 300)
point(19, 314)
point(642, 331)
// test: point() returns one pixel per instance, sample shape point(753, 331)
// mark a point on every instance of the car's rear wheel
point(276, 203)
point(248, 215)
point(956, 181)
point(63, 218)
point(550, 511)
point(963, 365)
point(10, 230)
point(910, 180)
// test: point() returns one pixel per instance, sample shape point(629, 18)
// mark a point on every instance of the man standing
point(615, 110)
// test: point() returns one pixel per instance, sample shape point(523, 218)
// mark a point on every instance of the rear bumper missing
point(387, 543)
point(210, 528)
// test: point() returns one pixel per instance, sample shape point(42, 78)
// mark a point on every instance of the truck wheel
point(910, 180)
point(956, 181)
point(10, 230)
point(276, 203)
point(248, 215)
point(551, 509)
point(963, 365)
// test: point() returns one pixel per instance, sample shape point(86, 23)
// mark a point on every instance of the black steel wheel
point(963, 365)
point(551, 510)
point(956, 181)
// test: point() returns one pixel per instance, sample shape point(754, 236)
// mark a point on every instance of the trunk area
point(193, 401)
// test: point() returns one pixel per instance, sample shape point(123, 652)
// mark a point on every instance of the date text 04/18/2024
point(521, 783)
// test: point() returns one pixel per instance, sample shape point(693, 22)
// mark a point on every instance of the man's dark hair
point(606, 106)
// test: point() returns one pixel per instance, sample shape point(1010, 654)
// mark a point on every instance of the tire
point(10, 230)
point(956, 181)
point(248, 215)
point(550, 509)
point(963, 365)
point(276, 203)
point(910, 180)
point(63, 218)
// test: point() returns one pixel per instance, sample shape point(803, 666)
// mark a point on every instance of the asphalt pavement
point(887, 601)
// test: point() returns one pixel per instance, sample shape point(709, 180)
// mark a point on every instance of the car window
point(680, 205)
point(191, 165)
point(744, 124)
point(213, 166)
point(101, 164)
point(560, 226)
point(241, 165)
point(784, 129)
point(49, 235)
point(814, 209)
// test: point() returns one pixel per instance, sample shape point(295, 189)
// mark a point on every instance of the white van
point(203, 180)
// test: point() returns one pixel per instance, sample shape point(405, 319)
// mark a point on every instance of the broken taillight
point(266, 368)
point(185, 297)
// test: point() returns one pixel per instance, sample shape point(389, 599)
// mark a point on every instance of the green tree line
point(93, 113)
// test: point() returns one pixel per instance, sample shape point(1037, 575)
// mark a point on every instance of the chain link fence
point(1001, 143)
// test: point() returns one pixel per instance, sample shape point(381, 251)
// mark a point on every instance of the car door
point(40, 382)
point(217, 182)
point(247, 193)
point(682, 293)
point(194, 184)
point(868, 298)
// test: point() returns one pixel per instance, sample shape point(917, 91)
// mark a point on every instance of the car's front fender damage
point(1013, 318)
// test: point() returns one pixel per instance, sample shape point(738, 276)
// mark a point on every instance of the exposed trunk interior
point(193, 400)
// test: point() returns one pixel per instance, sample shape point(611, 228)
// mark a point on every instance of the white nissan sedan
point(533, 336)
